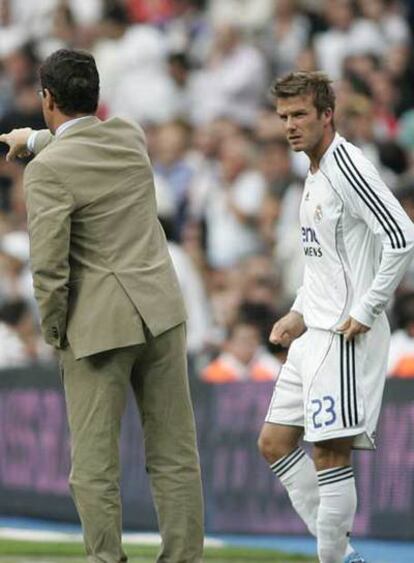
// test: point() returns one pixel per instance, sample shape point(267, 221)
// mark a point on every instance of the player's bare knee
point(266, 448)
point(332, 453)
point(274, 447)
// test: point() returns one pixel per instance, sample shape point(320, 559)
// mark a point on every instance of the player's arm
point(287, 329)
point(49, 208)
point(369, 199)
point(25, 141)
point(291, 326)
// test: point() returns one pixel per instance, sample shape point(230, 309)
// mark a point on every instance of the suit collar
point(75, 125)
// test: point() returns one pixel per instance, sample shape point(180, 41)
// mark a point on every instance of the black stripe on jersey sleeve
point(357, 187)
point(379, 202)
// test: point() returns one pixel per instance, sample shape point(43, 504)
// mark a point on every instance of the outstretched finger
point(11, 154)
point(4, 138)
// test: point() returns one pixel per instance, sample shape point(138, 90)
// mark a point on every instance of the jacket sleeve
point(38, 140)
point(368, 198)
point(49, 208)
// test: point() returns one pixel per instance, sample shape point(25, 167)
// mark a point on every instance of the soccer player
point(358, 242)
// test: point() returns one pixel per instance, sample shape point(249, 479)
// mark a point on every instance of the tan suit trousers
point(96, 390)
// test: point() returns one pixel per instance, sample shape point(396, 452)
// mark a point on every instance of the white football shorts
point(331, 387)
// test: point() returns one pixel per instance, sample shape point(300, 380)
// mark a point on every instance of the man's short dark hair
point(302, 83)
point(72, 79)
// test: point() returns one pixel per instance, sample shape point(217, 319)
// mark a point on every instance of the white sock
point(337, 506)
point(298, 475)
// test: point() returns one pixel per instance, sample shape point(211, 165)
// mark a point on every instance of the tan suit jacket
point(98, 253)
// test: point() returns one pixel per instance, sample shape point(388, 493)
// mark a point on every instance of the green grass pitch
point(13, 551)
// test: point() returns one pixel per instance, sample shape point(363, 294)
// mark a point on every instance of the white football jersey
point(357, 240)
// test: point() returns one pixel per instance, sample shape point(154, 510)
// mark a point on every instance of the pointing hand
point(17, 141)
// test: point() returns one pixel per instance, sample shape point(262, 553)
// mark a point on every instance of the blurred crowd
point(195, 74)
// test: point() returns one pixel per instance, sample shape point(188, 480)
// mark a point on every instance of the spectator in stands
point(110, 36)
point(398, 62)
point(15, 276)
point(248, 292)
point(389, 23)
point(275, 164)
point(268, 126)
point(19, 64)
point(194, 293)
point(250, 16)
point(11, 176)
point(401, 355)
point(385, 100)
point(155, 12)
point(190, 31)
point(405, 195)
point(179, 69)
point(260, 282)
point(203, 156)
point(279, 220)
point(226, 290)
point(172, 164)
point(233, 82)
point(142, 63)
point(356, 119)
point(263, 316)
point(233, 205)
point(26, 109)
point(285, 37)
point(306, 59)
point(331, 45)
point(62, 29)
point(243, 358)
point(20, 342)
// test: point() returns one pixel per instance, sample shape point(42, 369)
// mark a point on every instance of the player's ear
point(50, 102)
point(328, 115)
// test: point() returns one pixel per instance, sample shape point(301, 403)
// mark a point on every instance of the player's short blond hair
point(316, 83)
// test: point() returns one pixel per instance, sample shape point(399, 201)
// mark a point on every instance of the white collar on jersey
point(337, 140)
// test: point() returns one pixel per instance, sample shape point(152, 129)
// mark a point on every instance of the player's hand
point(352, 328)
point(287, 329)
point(17, 141)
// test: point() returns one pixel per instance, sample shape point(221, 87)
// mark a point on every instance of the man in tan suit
point(110, 303)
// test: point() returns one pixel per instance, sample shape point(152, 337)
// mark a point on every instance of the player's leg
point(337, 498)
point(161, 388)
point(278, 441)
point(291, 464)
point(335, 418)
point(95, 390)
